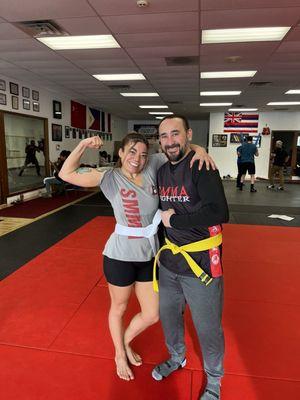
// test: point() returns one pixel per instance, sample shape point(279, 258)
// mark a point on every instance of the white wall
point(225, 157)
point(118, 125)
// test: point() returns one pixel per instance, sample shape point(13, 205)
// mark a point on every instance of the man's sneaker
point(270, 187)
point(166, 368)
point(253, 190)
point(280, 188)
point(210, 394)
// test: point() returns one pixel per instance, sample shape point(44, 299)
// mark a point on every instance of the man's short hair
point(183, 118)
point(249, 138)
point(65, 153)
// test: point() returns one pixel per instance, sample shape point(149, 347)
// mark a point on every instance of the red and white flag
point(239, 122)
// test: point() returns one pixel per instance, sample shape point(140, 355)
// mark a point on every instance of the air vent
point(280, 109)
point(41, 28)
point(176, 61)
point(174, 102)
point(119, 87)
point(259, 84)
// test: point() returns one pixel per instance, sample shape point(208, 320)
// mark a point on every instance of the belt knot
point(174, 248)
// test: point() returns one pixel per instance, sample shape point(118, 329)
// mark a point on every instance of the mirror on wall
point(25, 152)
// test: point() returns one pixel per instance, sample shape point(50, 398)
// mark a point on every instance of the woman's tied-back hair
point(132, 137)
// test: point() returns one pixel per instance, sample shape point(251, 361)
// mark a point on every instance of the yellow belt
point(201, 245)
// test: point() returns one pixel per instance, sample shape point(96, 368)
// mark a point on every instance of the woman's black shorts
point(125, 273)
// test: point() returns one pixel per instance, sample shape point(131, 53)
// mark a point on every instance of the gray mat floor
point(254, 208)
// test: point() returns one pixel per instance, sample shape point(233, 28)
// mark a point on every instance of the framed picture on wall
point(238, 137)
point(35, 106)
point(56, 133)
point(15, 102)
point(3, 99)
point(57, 109)
point(26, 92)
point(35, 95)
point(2, 84)
point(26, 104)
point(14, 88)
point(67, 132)
point(219, 140)
point(74, 133)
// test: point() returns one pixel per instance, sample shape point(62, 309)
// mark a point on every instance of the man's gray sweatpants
point(206, 303)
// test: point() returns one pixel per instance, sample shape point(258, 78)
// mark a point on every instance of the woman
point(128, 260)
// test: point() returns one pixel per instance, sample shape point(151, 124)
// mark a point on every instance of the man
point(279, 157)
point(30, 151)
point(56, 180)
point(194, 206)
point(239, 165)
point(247, 152)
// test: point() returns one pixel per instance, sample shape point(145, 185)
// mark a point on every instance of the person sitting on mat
point(129, 252)
point(56, 180)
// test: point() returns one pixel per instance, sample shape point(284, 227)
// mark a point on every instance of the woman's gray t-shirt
point(133, 206)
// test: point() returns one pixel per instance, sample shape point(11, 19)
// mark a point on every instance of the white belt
point(146, 231)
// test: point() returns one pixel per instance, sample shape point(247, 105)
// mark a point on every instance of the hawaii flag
point(92, 119)
point(239, 122)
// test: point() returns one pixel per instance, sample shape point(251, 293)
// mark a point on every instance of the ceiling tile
point(83, 26)
point(151, 23)
point(126, 7)
point(46, 9)
point(237, 18)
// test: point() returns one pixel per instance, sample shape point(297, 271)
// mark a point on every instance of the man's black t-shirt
point(280, 157)
point(199, 202)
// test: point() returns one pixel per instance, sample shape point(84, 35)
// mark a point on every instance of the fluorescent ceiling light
point(294, 91)
point(265, 34)
point(242, 109)
point(160, 113)
point(215, 104)
point(159, 117)
point(80, 42)
point(222, 93)
point(227, 74)
point(140, 94)
point(120, 77)
point(283, 103)
point(153, 106)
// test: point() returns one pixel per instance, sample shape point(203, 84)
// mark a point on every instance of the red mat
point(58, 303)
point(36, 207)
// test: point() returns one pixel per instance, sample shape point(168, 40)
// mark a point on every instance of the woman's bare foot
point(133, 357)
point(123, 370)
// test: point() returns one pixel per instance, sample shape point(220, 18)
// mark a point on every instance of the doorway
point(291, 144)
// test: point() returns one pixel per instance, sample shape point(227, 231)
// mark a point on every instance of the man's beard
point(174, 157)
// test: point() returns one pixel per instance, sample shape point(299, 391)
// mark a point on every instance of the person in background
point(194, 207)
point(56, 180)
point(279, 157)
point(30, 158)
point(239, 165)
point(131, 188)
point(247, 152)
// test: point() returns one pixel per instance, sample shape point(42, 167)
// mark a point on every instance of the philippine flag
point(93, 119)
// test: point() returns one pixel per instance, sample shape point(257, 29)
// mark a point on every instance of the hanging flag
point(103, 121)
point(108, 122)
point(240, 122)
point(78, 115)
point(92, 119)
